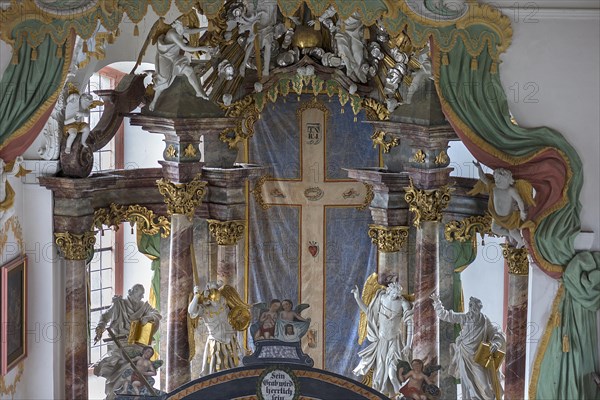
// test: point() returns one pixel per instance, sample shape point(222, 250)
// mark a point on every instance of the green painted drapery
point(149, 245)
point(28, 92)
point(475, 104)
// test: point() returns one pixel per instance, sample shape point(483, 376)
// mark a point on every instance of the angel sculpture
point(507, 203)
point(279, 321)
point(7, 193)
point(418, 384)
point(386, 321)
point(224, 314)
point(77, 114)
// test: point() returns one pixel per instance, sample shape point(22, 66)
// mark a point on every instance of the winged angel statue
point(386, 321)
point(224, 314)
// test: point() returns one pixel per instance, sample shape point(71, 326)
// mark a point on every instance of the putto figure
point(224, 314)
point(171, 62)
point(507, 203)
point(386, 321)
point(77, 114)
point(477, 332)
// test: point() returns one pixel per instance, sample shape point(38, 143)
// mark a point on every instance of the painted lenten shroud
point(313, 247)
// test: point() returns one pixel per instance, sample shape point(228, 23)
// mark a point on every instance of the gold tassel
point(367, 33)
point(565, 344)
point(136, 30)
point(474, 63)
point(355, 119)
point(494, 68)
point(342, 111)
point(59, 52)
point(33, 54)
point(288, 23)
point(211, 25)
point(117, 32)
point(85, 46)
point(317, 25)
point(445, 60)
point(111, 38)
point(15, 57)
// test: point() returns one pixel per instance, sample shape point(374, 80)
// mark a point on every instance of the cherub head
point(503, 178)
point(274, 306)
point(417, 365)
point(287, 305)
point(148, 352)
point(226, 70)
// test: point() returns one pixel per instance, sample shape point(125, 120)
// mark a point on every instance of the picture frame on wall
point(13, 313)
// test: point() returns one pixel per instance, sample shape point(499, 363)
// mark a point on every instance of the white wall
point(142, 149)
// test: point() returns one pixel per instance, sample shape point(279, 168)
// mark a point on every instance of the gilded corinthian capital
point(427, 204)
point(388, 239)
point(75, 246)
point(226, 232)
point(516, 259)
point(182, 198)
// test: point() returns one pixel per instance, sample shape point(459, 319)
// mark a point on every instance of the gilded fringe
point(367, 33)
point(136, 30)
point(494, 68)
point(34, 55)
point(15, 57)
point(565, 344)
point(317, 26)
point(59, 52)
point(445, 60)
point(474, 63)
point(85, 46)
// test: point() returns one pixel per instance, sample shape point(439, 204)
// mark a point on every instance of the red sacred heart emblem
point(313, 248)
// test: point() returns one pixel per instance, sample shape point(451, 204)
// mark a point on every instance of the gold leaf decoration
point(226, 232)
point(427, 204)
point(190, 151)
point(75, 246)
point(516, 258)
point(442, 158)
point(467, 228)
point(146, 220)
point(378, 138)
point(389, 239)
point(419, 157)
point(182, 198)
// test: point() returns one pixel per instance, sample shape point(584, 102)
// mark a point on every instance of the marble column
point(181, 199)
point(427, 206)
point(227, 235)
point(391, 242)
point(516, 323)
point(75, 249)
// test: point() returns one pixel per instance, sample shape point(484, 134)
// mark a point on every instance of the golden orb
point(306, 37)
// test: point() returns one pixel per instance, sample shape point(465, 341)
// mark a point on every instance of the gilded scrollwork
point(375, 110)
point(465, 229)
point(75, 246)
point(145, 219)
point(516, 259)
point(369, 196)
point(427, 204)
point(257, 192)
point(226, 233)
point(246, 110)
point(389, 239)
point(182, 198)
point(379, 138)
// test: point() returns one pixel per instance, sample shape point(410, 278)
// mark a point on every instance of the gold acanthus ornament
point(379, 138)
point(467, 228)
point(75, 246)
point(226, 233)
point(145, 219)
point(427, 204)
point(442, 158)
point(516, 259)
point(389, 239)
point(182, 198)
point(419, 157)
point(190, 151)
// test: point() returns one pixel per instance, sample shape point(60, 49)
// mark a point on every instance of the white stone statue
point(7, 194)
point(226, 70)
point(507, 203)
point(170, 63)
point(224, 314)
point(52, 132)
point(348, 43)
point(387, 324)
point(477, 382)
point(260, 25)
point(77, 113)
point(119, 318)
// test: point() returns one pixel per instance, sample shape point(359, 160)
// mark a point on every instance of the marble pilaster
point(74, 249)
point(180, 283)
point(516, 322)
point(425, 340)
